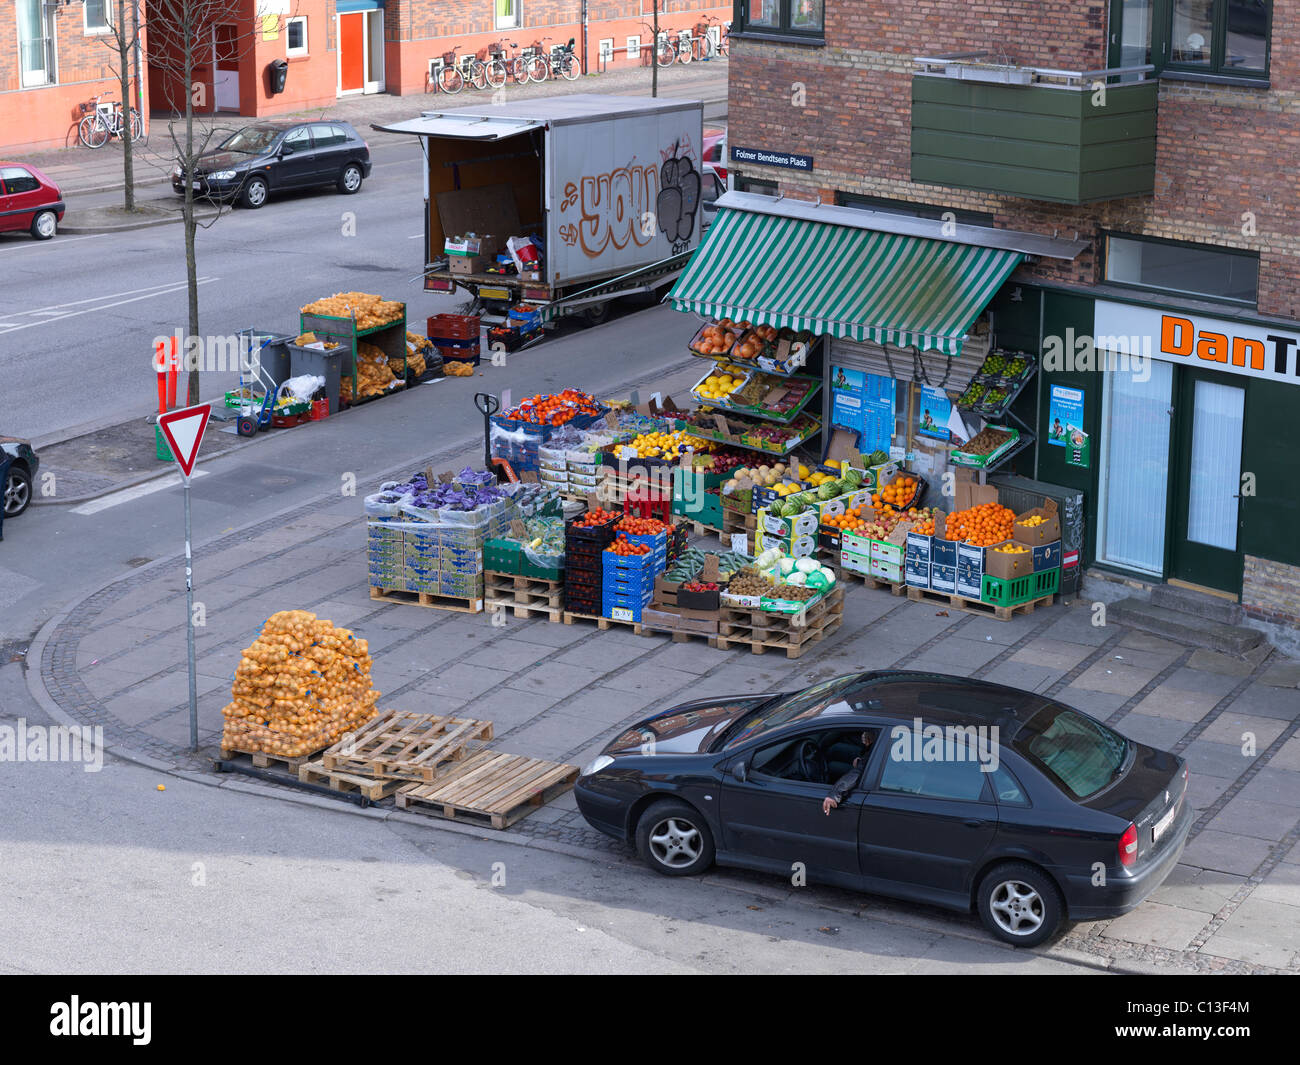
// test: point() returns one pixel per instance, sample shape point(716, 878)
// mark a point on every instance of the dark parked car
point(275, 155)
point(29, 201)
point(20, 475)
point(1056, 817)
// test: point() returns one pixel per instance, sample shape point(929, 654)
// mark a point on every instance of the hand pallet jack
point(488, 405)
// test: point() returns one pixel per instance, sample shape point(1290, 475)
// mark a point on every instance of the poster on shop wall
point(864, 403)
point(935, 410)
point(1065, 424)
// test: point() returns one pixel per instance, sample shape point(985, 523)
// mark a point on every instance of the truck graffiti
point(632, 203)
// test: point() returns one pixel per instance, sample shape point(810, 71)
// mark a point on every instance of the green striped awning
point(855, 284)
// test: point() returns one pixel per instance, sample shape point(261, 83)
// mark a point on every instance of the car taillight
point(1128, 845)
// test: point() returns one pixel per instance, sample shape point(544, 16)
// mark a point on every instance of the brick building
point(1150, 208)
point(57, 55)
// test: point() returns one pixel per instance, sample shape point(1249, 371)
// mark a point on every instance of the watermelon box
point(842, 503)
point(802, 524)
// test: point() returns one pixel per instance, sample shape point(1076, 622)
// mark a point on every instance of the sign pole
point(189, 626)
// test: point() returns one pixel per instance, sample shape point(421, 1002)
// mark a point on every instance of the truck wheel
point(595, 314)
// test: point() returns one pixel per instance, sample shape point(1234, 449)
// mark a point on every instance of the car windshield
point(251, 140)
point(809, 703)
point(1080, 755)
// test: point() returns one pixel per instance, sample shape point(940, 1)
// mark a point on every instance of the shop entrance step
point(1184, 627)
point(1198, 604)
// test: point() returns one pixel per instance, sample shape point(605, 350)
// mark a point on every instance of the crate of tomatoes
point(596, 526)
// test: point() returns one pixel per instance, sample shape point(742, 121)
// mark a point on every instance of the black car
point(973, 796)
point(275, 155)
point(22, 463)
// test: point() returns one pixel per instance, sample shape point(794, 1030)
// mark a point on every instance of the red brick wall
point(1222, 151)
point(46, 116)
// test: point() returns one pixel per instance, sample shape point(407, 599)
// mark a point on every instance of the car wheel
point(672, 838)
point(45, 225)
point(1019, 904)
point(350, 179)
point(253, 194)
point(18, 491)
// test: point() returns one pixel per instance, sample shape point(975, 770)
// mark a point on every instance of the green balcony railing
point(1034, 132)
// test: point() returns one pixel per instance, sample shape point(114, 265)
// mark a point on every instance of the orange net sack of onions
point(298, 688)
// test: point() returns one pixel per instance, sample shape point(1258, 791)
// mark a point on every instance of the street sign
point(184, 432)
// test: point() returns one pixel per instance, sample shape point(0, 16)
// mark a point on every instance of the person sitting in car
point(851, 779)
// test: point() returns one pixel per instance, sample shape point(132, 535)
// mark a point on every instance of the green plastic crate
point(1017, 590)
point(507, 556)
point(161, 449)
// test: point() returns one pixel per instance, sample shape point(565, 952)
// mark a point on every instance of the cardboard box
point(803, 524)
point(1047, 556)
point(887, 571)
point(469, 245)
point(967, 494)
point(916, 560)
point(468, 264)
point(969, 570)
point(944, 579)
point(1007, 567)
point(855, 562)
point(1045, 533)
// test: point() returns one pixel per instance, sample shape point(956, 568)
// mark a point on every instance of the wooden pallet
point(265, 760)
point(680, 629)
point(601, 621)
point(872, 582)
point(428, 599)
point(793, 641)
point(492, 788)
point(372, 789)
point(734, 521)
point(976, 606)
point(526, 596)
point(403, 746)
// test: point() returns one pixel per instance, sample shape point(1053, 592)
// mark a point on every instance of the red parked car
point(29, 200)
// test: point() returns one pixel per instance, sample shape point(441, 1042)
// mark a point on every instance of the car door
point(926, 823)
point(331, 148)
point(20, 195)
point(777, 817)
point(297, 164)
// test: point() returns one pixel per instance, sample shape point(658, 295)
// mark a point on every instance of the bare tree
point(121, 40)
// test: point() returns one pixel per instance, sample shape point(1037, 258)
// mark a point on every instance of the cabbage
point(787, 566)
point(829, 574)
point(807, 565)
point(797, 579)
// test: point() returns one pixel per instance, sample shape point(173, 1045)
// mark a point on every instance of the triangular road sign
point(184, 432)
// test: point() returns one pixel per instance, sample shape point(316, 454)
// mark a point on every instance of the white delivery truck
point(608, 185)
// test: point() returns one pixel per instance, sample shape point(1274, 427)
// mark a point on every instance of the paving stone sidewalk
point(561, 691)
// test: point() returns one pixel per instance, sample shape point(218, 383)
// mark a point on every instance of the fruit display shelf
point(999, 455)
point(775, 398)
point(753, 436)
point(997, 383)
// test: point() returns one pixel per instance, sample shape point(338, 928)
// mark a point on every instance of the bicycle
point(102, 122)
point(532, 63)
point(665, 52)
point(456, 71)
point(562, 62)
point(722, 46)
point(699, 42)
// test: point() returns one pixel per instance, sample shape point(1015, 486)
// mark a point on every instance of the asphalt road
point(78, 314)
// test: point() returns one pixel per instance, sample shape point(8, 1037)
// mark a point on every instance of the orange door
point(352, 51)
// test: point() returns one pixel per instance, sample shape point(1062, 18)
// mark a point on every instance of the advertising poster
point(936, 409)
point(863, 403)
point(1065, 424)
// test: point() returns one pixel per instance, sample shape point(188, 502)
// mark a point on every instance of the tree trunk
point(124, 74)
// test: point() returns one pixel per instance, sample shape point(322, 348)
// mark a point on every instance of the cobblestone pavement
point(117, 659)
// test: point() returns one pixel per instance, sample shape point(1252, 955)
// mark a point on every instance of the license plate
point(494, 293)
point(197, 184)
point(1162, 826)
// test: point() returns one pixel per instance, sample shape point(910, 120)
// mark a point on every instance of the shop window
point(1219, 273)
point(295, 36)
point(791, 19)
point(507, 12)
point(1214, 38)
point(756, 185)
point(98, 16)
point(908, 209)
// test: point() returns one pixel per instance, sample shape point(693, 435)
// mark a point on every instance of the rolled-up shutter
point(906, 364)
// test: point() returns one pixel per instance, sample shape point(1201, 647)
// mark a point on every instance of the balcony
point(1041, 134)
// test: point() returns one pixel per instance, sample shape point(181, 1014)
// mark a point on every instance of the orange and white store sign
point(1266, 352)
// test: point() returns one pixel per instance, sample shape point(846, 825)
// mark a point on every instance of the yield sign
point(184, 432)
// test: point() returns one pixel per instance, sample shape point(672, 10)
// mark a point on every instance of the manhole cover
point(273, 480)
point(136, 563)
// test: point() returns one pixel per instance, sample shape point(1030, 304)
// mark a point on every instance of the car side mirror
point(739, 770)
point(285, 150)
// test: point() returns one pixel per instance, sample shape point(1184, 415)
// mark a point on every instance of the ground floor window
point(295, 35)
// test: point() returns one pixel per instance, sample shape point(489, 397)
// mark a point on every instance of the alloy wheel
point(1017, 908)
point(676, 842)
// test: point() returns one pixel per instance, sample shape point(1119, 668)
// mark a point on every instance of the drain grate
point(136, 563)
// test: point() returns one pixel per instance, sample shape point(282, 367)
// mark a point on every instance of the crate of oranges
point(903, 492)
point(983, 525)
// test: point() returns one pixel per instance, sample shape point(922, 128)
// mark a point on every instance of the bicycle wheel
point(478, 75)
point(665, 54)
point(450, 80)
point(535, 69)
point(707, 48)
point(517, 70)
point(684, 51)
point(137, 126)
point(92, 131)
point(570, 68)
point(495, 73)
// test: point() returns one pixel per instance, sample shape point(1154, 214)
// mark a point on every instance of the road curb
point(75, 230)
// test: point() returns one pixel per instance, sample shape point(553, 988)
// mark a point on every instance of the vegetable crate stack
point(627, 580)
point(298, 687)
point(585, 540)
point(351, 317)
point(516, 434)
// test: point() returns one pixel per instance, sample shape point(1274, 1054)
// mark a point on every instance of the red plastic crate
point(661, 508)
point(453, 327)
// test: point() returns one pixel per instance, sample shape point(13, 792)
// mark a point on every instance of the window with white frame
point(35, 44)
point(607, 49)
point(99, 16)
point(295, 35)
point(507, 14)
point(634, 47)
